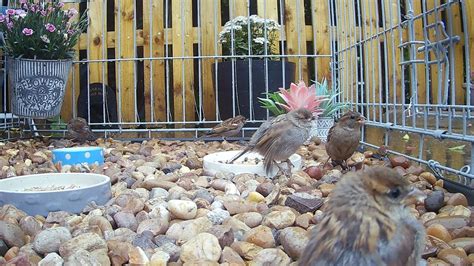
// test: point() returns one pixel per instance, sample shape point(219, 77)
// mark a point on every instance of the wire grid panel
point(405, 65)
point(157, 68)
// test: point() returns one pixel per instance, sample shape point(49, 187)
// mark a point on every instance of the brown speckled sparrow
point(278, 138)
point(78, 130)
point(228, 128)
point(366, 222)
point(343, 138)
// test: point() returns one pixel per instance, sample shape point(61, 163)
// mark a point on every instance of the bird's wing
point(331, 132)
point(272, 142)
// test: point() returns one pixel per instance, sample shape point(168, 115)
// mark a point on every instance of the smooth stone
point(49, 240)
point(255, 197)
point(457, 199)
point(224, 234)
point(270, 256)
point(101, 222)
point(265, 188)
point(454, 256)
point(326, 188)
point(81, 257)
point(88, 241)
point(30, 225)
point(144, 240)
point(137, 256)
point(52, 259)
point(261, 236)
point(245, 249)
point(182, 209)
point(303, 202)
point(101, 255)
point(12, 234)
point(399, 161)
point(217, 216)
point(430, 177)
point(203, 246)
point(156, 226)
point(294, 241)
point(439, 231)
point(449, 222)
point(159, 258)
point(118, 251)
point(466, 243)
point(3, 248)
point(126, 219)
point(434, 201)
point(463, 232)
point(57, 217)
point(185, 230)
point(231, 257)
point(238, 227)
point(158, 192)
point(303, 220)
point(279, 219)
point(251, 219)
point(130, 203)
point(171, 249)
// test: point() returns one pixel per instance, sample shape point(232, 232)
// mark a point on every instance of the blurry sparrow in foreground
point(277, 139)
point(343, 138)
point(366, 222)
point(78, 129)
point(228, 128)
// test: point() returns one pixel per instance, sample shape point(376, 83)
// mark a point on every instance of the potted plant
point(241, 37)
point(317, 97)
point(39, 45)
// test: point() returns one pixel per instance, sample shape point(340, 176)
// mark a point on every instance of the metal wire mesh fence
point(150, 68)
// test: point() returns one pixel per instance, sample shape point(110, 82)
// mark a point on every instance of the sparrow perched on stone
point(228, 128)
point(343, 138)
point(278, 138)
point(367, 222)
point(78, 129)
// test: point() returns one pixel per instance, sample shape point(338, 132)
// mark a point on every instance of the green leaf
point(457, 148)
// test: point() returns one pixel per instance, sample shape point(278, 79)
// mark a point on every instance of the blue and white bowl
point(79, 155)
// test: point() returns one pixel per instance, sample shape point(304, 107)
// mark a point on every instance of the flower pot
point(242, 88)
point(37, 86)
point(323, 124)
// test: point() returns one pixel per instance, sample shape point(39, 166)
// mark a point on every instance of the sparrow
point(78, 129)
point(366, 222)
point(343, 138)
point(228, 128)
point(279, 137)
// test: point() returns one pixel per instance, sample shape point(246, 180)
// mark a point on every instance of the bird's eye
point(353, 117)
point(394, 193)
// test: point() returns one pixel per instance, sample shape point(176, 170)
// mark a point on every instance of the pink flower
point(22, 1)
point(300, 96)
point(2, 18)
point(60, 4)
point(11, 11)
point(43, 13)
point(71, 12)
point(50, 27)
point(71, 32)
point(27, 32)
point(10, 25)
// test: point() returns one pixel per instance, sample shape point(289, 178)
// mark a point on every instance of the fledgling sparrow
point(78, 129)
point(367, 222)
point(343, 138)
point(278, 138)
point(228, 128)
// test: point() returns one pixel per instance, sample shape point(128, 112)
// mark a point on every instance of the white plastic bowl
point(78, 189)
point(216, 162)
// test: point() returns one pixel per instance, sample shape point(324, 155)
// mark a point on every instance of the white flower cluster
point(257, 24)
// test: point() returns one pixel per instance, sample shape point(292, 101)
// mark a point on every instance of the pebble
point(185, 230)
point(279, 219)
point(246, 250)
point(466, 243)
point(457, 199)
point(49, 240)
point(155, 226)
point(303, 202)
point(137, 256)
point(449, 222)
point(293, 241)
point(159, 258)
point(203, 246)
point(217, 216)
point(251, 219)
point(87, 241)
point(434, 201)
point(255, 197)
point(265, 188)
point(126, 219)
point(261, 236)
point(224, 234)
point(428, 176)
point(144, 240)
point(271, 256)
point(159, 193)
point(182, 209)
point(454, 256)
point(81, 257)
point(51, 259)
point(118, 251)
point(11, 234)
point(399, 161)
point(463, 232)
point(3, 248)
point(326, 188)
point(439, 231)
point(30, 225)
point(231, 257)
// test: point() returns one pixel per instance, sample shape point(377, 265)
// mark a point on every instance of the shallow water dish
point(78, 155)
point(44, 193)
point(216, 162)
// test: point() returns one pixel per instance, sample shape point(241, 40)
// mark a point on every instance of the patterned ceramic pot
point(37, 86)
point(321, 128)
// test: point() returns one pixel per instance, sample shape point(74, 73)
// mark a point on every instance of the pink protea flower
point(11, 12)
point(27, 31)
point(50, 27)
point(301, 96)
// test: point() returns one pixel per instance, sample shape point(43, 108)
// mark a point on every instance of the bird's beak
point(414, 196)
point(361, 120)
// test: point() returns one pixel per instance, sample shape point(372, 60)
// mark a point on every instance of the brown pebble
point(436, 262)
point(303, 220)
point(439, 183)
point(466, 243)
point(454, 256)
point(439, 231)
point(457, 199)
point(428, 176)
point(399, 161)
point(315, 172)
point(463, 232)
point(11, 253)
point(326, 188)
point(450, 222)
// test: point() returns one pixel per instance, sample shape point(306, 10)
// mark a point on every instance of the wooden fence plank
point(269, 9)
point(239, 8)
point(183, 72)
point(320, 20)
point(125, 33)
point(70, 96)
point(436, 88)
point(296, 37)
point(460, 95)
point(97, 41)
point(392, 19)
point(470, 28)
point(153, 37)
point(420, 70)
point(372, 69)
point(209, 47)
